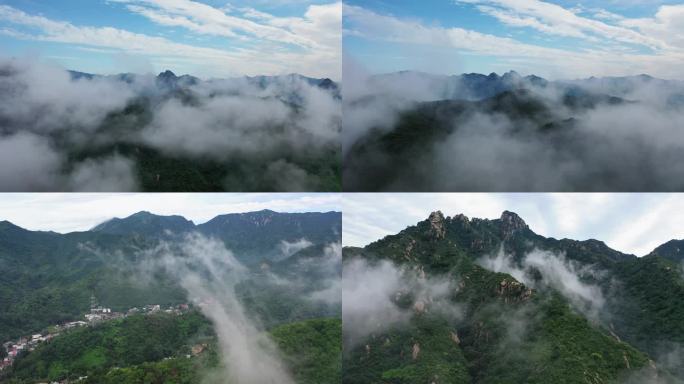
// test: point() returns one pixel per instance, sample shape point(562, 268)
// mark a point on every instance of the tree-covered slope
point(673, 250)
point(94, 351)
point(48, 278)
point(509, 332)
point(312, 349)
point(175, 349)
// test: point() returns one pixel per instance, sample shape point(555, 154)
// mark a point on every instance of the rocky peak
point(167, 75)
point(167, 79)
point(436, 220)
point(461, 218)
point(511, 76)
point(326, 84)
point(511, 223)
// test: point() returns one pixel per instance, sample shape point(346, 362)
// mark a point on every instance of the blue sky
point(68, 212)
point(209, 38)
point(629, 222)
point(553, 38)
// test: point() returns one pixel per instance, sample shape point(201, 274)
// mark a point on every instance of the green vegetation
point(159, 171)
point(93, 351)
point(172, 371)
point(543, 341)
point(155, 349)
point(507, 333)
point(422, 352)
point(276, 304)
point(312, 349)
point(47, 278)
point(647, 310)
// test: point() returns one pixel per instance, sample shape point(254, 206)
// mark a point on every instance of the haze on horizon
point(555, 39)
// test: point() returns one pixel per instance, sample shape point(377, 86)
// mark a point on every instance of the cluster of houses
point(27, 343)
point(97, 314)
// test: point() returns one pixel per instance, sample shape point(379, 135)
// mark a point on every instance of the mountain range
point(169, 81)
point(517, 308)
point(411, 131)
point(264, 133)
point(48, 278)
point(476, 86)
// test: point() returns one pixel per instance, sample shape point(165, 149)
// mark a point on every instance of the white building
point(93, 317)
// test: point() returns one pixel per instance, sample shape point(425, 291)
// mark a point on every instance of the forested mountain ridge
point(522, 308)
point(239, 231)
point(150, 298)
point(47, 278)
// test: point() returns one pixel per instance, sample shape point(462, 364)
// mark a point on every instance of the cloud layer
point(556, 272)
point(51, 124)
point(379, 296)
point(610, 134)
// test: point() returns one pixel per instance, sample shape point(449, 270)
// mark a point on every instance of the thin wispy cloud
point(555, 39)
point(191, 36)
point(553, 19)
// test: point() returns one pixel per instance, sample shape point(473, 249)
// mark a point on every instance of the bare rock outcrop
point(513, 290)
point(454, 338)
point(416, 351)
point(511, 224)
point(437, 228)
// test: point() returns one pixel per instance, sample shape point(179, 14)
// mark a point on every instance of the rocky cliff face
point(511, 223)
point(437, 228)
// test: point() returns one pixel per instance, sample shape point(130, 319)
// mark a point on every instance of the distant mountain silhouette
point(475, 86)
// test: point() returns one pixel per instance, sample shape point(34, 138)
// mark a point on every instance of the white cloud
point(606, 15)
point(269, 44)
point(556, 272)
point(35, 164)
point(374, 26)
point(114, 173)
point(205, 19)
point(556, 20)
point(209, 274)
point(612, 46)
point(288, 248)
point(665, 25)
point(370, 293)
point(317, 32)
